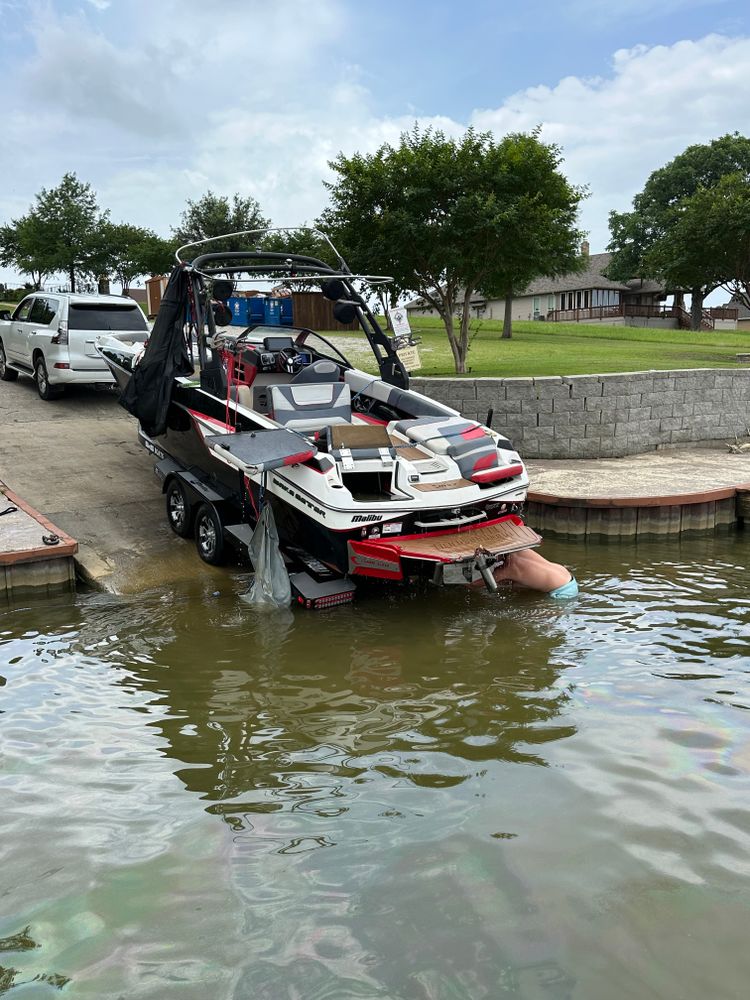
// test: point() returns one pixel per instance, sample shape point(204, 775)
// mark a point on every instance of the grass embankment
point(562, 349)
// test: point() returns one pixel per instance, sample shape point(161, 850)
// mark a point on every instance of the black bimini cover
point(149, 392)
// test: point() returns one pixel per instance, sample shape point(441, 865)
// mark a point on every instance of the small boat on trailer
point(366, 478)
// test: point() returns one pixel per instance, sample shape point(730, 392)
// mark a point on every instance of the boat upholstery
point(321, 370)
point(465, 441)
point(357, 443)
point(407, 402)
point(311, 407)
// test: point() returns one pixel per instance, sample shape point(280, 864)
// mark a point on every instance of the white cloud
point(615, 130)
point(157, 102)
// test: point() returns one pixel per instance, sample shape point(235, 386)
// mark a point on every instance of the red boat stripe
point(371, 420)
point(227, 428)
point(501, 472)
point(475, 432)
point(486, 462)
point(302, 456)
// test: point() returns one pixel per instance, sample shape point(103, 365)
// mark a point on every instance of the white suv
point(51, 336)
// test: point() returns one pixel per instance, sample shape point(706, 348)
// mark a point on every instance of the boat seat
point(465, 441)
point(351, 444)
point(244, 395)
point(403, 400)
point(321, 370)
point(311, 407)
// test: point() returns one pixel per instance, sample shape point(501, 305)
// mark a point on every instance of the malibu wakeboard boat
point(365, 477)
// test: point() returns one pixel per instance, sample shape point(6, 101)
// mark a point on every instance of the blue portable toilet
point(239, 306)
point(272, 312)
point(256, 311)
point(287, 312)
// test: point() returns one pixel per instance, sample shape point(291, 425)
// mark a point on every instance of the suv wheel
point(6, 374)
point(45, 390)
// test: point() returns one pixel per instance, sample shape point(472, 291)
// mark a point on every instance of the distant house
point(587, 295)
point(743, 313)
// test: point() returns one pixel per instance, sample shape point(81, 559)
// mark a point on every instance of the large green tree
point(214, 215)
point(661, 236)
point(451, 217)
point(61, 232)
point(715, 223)
point(21, 247)
point(129, 252)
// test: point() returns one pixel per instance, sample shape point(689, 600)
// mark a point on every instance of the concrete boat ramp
point(77, 461)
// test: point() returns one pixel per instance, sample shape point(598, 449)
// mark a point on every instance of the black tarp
point(148, 393)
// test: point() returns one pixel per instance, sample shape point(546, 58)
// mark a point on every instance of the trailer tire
point(179, 511)
point(209, 535)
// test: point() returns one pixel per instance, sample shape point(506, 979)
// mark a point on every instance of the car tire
point(179, 512)
point(45, 390)
point(6, 374)
point(209, 535)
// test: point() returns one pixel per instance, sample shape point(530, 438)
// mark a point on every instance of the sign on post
point(403, 343)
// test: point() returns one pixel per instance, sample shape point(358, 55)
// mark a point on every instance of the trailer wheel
point(209, 535)
point(179, 514)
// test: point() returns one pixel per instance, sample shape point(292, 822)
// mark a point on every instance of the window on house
point(550, 303)
point(537, 305)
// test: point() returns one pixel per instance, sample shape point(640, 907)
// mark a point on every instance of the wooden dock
point(664, 494)
point(35, 556)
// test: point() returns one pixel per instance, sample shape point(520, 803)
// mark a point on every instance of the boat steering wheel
point(290, 361)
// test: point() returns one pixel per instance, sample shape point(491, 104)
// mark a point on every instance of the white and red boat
point(366, 478)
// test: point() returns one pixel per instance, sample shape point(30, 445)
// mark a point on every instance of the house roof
point(742, 310)
point(590, 277)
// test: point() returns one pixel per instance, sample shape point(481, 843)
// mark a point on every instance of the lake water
point(440, 795)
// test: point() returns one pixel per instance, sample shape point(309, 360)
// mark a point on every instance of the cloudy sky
point(155, 102)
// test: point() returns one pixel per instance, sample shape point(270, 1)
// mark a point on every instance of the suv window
point(95, 316)
point(43, 311)
point(22, 313)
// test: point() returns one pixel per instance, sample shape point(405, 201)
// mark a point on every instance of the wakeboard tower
point(366, 479)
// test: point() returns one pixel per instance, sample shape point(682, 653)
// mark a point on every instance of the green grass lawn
point(561, 349)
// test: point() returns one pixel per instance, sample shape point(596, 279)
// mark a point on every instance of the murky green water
point(444, 795)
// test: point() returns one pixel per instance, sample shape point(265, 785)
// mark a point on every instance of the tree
point(128, 252)
point(660, 237)
point(214, 215)
point(447, 218)
point(715, 222)
point(22, 247)
point(68, 226)
point(61, 232)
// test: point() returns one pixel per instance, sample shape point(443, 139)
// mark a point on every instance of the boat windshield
point(319, 344)
point(302, 338)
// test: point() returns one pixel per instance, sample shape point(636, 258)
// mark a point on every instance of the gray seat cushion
point(321, 370)
point(313, 406)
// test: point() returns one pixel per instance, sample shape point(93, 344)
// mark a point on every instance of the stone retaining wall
point(603, 416)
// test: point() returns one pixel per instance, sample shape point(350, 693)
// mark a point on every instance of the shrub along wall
point(603, 416)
